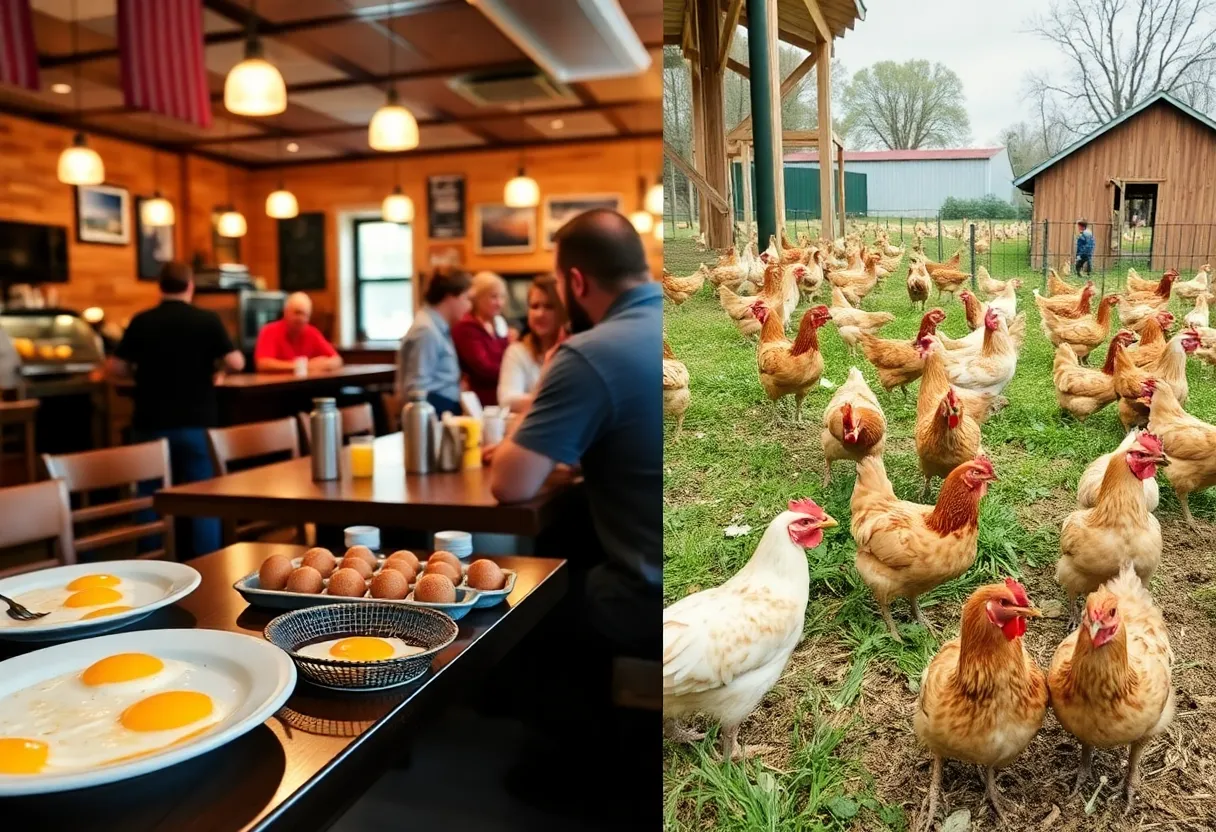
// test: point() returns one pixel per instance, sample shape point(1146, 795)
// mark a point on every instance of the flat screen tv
point(33, 253)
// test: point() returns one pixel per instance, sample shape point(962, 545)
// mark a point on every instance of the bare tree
point(905, 106)
point(1121, 51)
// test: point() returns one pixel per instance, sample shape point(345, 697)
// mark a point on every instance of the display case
point(52, 342)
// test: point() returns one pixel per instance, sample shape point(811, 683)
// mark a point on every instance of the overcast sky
point(983, 41)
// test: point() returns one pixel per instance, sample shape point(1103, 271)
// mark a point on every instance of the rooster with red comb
point(724, 648)
point(982, 697)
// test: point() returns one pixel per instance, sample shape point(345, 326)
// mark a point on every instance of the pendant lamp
point(643, 221)
point(231, 222)
point(157, 211)
point(254, 87)
point(522, 191)
point(281, 204)
point(397, 207)
point(393, 127)
point(654, 199)
point(79, 164)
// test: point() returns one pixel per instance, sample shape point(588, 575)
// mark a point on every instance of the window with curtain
point(384, 288)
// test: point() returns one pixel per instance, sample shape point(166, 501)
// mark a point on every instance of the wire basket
point(429, 629)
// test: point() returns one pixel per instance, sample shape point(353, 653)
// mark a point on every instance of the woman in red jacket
point(482, 336)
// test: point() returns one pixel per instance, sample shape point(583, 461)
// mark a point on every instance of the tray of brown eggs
point(441, 582)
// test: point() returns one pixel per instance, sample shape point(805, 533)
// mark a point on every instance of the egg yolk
point(164, 711)
point(93, 597)
point(362, 649)
point(122, 667)
point(18, 756)
point(92, 582)
point(104, 611)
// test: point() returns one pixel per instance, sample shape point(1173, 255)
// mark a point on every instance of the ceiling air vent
point(520, 89)
point(572, 40)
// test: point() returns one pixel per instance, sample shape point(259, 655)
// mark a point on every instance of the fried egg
point(118, 708)
point(359, 649)
point(86, 597)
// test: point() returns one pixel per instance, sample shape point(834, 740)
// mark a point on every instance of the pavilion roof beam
point(790, 83)
point(728, 32)
point(821, 23)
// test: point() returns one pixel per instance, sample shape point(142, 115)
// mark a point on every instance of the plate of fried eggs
point(105, 709)
point(85, 599)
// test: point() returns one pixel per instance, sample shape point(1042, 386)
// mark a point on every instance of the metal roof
point(902, 155)
point(1159, 96)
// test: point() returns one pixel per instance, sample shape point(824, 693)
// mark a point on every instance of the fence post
point(1043, 284)
point(901, 230)
point(939, 236)
point(974, 287)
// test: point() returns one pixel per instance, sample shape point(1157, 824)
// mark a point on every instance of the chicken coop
point(704, 31)
point(1141, 180)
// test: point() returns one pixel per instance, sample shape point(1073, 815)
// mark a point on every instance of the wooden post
point(971, 238)
point(715, 223)
point(746, 154)
point(840, 174)
point(698, 144)
point(824, 78)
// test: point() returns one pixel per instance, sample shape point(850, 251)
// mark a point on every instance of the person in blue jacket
point(1085, 248)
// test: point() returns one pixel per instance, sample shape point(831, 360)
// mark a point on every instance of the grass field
point(840, 749)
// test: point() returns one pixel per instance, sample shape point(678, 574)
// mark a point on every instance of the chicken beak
point(1027, 612)
point(1162, 461)
point(827, 523)
point(1094, 627)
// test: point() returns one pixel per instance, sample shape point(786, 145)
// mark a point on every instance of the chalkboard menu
point(302, 253)
point(445, 207)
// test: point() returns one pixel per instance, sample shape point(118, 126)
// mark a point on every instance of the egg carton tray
point(251, 590)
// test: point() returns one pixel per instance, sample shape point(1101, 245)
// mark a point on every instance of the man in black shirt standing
point(172, 352)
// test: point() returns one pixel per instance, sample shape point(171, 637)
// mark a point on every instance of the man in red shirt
point(281, 342)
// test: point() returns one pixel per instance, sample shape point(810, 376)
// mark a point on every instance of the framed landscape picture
point(103, 214)
point(154, 244)
point(504, 230)
point(560, 209)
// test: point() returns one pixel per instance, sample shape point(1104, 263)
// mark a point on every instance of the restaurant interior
point(346, 150)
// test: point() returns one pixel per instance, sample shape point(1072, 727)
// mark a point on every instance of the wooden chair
point(242, 443)
point(357, 420)
point(36, 513)
point(20, 415)
point(122, 468)
point(392, 404)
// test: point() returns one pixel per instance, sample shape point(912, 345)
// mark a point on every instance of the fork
point(20, 612)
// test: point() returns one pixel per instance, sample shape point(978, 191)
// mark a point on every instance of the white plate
point(264, 673)
point(175, 580)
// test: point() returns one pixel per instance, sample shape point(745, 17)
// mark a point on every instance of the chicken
point(993, 367)
point(1198, 285)
point(1190, 444)
point(1067, 306)
point(1152, 339)
point(854, 426)
point(949, 265)
point(852, 322)
point(854, 284)
point(1170, 369)
point(675, 387)
point(987, 284)
point(1120, 528)
point(948, 281)
point(724, 648)
point(729, 271)
point(900, 362)
point(1006, 301)
point(1198, 317)
point(1090, 483)
point(791, 368)
point(1082, 334)
point(679, 289)
point(1110, 680)
point(772, 295)
point(1083, 391)
point(1057, 288)
point(810, 282)
point(918, 284)
point(791, 282)
point(906, 549)
point(750, 324)
point(1137, 286)
point(982, 697)
point(1158, 299)
point(947, 422)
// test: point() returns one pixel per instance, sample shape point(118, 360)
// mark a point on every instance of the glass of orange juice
point(362, 456)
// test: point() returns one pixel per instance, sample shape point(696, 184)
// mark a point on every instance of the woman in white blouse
point(521, 363)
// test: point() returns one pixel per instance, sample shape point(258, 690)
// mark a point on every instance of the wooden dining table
point(306, 765)
point(284, 492)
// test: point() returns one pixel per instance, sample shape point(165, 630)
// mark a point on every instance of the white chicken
point(724, 648)
point(1091, 480)
point(989, 370)
point(1198, 316)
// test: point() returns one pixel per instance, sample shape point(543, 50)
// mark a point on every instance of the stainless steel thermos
point(418, 428)
point(325, 423)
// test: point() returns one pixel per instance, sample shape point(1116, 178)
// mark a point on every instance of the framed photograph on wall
point(504, 230)
point(103, 214)
point(560, 209)
point(154, 244)
point(445, 206)
point(442, 255)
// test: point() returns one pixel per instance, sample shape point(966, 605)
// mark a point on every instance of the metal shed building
point(915, 183)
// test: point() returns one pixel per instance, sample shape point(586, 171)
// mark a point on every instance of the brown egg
point(435, 589)
point(358, 564)
point(401, 566)
point(438, 567)
point(407, 556)
point(362, 552)
point(321, 560)
point(446, 557)
point(486, 574)
point(348, 582)
point(390, 584)
point(274, 572)
point(305, 579)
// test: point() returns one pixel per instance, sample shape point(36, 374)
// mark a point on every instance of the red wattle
point(1014, 628)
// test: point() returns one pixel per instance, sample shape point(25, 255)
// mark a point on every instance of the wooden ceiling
point(335, 58)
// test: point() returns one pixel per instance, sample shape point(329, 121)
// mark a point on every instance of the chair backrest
point(125, 468)
point(357, 420)
point(35, 513)
point(392, 404)
point(256, 439)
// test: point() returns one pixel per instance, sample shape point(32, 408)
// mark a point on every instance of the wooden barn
point(1143, 181)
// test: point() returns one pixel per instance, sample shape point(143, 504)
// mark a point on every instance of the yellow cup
point(362, 457)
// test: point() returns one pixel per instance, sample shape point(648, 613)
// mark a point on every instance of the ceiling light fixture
point(292, 147)
point(557, 124)
point(79, 164)
point(643, 221)
point(231, 222)
point(393, 127)
point(654, 199)
point(397, 207)
point(254, 87)
point(61, 88)
point(281, 204)
point(658, 231)
point(522, 191)
point(157, 211)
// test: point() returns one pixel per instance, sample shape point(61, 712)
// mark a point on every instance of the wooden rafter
point(821, 23)
point(728, 31)
point(716, 199)
point(788, 85)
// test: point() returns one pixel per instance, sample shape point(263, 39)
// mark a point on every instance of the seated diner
point(282, 344)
